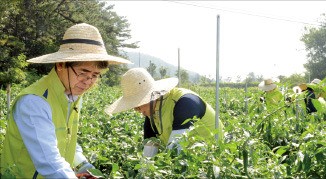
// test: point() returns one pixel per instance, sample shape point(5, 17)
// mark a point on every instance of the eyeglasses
point(83, 76)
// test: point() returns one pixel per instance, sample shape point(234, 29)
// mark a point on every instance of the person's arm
point(33, 117)
point(80, 161)
point(150, 149)
point(148, 130)
point(187, 107)
point(309, 105)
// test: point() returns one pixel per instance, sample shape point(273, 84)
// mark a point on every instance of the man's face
point(80, 78)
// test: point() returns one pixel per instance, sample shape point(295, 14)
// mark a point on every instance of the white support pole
point(217, 75)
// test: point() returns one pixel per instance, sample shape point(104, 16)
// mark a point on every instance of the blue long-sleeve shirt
point(33, 117)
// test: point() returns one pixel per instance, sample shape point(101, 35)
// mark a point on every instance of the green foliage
point(12, 61)
point(293, 80)
point(258, 143)
point(163, 71)
point(315, 41)
point(151, 69)
point(31, 77)
point(113, 75)
point(38, 27)
point(184, 76)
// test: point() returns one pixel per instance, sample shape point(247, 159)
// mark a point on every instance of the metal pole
point(179, 72)
point(246, 100)
point(217, 75)
point(138, 59)
point(8, 100)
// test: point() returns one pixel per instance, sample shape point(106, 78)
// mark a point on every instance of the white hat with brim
point(267, 85)
point(139, 88)
point(315, 81)
point(297, 89)
point(81, 42)
point(300, 88)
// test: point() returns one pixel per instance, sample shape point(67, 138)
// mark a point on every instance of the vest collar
point(59, 87)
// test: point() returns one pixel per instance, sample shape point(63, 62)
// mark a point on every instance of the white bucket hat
point(137, 88)
point(267, 84)
point(315, 81)
point(298, 89)
point(81, 42)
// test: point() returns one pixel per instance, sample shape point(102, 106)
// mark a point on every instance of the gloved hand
point(84, 167)
point(150, 150)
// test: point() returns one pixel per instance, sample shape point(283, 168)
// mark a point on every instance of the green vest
point(15, 154)
point(206, 123)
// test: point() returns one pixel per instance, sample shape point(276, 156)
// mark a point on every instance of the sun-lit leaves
point(257, 143)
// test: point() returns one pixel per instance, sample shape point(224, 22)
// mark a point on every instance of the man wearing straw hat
point(165, 108)
point(41, 136)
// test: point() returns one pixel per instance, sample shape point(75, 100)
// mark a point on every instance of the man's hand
point(85, 166)
point(82, 172)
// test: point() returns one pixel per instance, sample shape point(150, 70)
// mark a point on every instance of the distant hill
point(144, 63)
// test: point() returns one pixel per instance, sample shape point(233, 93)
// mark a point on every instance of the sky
point(262, 37)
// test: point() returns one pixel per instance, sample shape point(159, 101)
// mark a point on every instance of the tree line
point(31, 28)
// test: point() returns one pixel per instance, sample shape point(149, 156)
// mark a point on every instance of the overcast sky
point(255, 36)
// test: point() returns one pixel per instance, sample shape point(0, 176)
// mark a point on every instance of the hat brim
point(75, 57)
point(126, 103)
point(264, 87)
point(297, 89)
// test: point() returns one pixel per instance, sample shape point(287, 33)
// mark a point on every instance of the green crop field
point(280, 143)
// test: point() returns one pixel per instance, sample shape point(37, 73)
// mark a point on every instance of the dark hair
point(98, 64)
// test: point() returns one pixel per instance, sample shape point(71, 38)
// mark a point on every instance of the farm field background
point(258, 143)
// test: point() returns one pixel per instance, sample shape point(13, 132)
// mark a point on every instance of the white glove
point(85, 166)
point(150, 150)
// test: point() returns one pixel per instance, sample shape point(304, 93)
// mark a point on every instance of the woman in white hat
point(41, 136)
point(165, 108)
point(272, 96)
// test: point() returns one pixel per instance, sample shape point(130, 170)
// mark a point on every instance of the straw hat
point(137, 87)
point(81, 42)
point(267, 85)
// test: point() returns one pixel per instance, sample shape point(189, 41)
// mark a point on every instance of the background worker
point(272, 96)
point(306, 97)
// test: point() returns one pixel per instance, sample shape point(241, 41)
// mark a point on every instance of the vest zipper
point(67, 120)
point(35, 174)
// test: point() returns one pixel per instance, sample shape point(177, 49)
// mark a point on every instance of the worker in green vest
point(307, 97)
point(319, 89)
point(41, 135)
point(166, 108)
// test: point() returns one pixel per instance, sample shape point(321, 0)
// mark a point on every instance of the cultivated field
point(280, 143)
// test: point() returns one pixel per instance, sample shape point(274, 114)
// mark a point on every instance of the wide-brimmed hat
point(81, 42)
point(315, 81)
point(137, 89)
point(301, 87)
point(267, 85)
